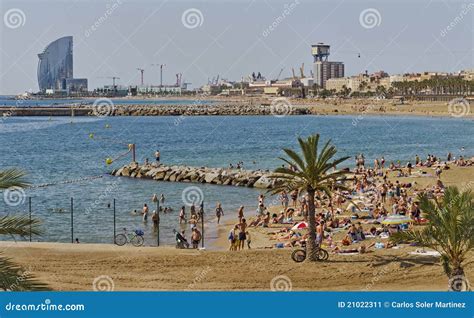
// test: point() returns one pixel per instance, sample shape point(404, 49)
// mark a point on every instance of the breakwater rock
point(236, 177)
point(212, 109)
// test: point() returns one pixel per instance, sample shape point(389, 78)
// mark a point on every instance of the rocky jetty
point(212, 109)
point(235, 177)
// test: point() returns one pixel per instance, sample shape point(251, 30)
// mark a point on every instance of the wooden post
point(115, 228)
point(29, 208)
point(72, 220)
point(202, 224)
point(133, 153)
point(158, 223)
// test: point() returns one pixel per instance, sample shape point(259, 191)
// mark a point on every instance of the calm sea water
point(9, 101)
point(60, 149)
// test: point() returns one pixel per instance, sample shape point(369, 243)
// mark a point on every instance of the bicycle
point(136, 238)
point(299, 255)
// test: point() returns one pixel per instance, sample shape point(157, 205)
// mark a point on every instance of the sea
point(65, 161)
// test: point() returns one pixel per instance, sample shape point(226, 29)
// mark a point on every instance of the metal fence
point(74, 227)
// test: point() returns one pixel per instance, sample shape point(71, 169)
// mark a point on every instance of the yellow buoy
point(107, 126)
point(91, 136)
point(108, 161)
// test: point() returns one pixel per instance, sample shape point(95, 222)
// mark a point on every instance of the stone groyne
point(235, 177)
point(213, 109)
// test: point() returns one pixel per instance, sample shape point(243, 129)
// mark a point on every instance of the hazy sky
point(232, 38)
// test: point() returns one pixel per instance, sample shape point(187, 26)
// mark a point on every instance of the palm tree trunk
point(458, 280)
point(311, 248)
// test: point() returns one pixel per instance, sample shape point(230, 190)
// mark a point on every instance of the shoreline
point(253, 108)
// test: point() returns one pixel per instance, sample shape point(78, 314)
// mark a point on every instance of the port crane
point(141, 73)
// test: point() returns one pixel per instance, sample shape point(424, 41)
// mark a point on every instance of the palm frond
point(15, 278)
point(19, 225)
point(12, 178)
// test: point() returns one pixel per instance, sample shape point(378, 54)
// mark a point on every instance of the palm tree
point(450, 231)
point(12, 276)
point(312, 174)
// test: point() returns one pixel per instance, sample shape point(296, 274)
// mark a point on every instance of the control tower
point(320, 52)
point(322, 68)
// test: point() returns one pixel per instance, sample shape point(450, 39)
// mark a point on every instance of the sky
point(232, 39)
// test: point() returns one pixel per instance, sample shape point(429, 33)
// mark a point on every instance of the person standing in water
point(157, 156)
point(162, 199)
point(219, 212)
point(182, 215)
point(145, 212)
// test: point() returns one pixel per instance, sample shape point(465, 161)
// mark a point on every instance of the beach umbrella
point(394, 219)
point(299, 226)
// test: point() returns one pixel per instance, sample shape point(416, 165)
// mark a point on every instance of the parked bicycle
point(299, 255)
point(135, 238)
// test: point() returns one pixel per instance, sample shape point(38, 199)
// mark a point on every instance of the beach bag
point(139, 232)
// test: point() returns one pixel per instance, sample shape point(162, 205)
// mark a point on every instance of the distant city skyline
point(232, 39)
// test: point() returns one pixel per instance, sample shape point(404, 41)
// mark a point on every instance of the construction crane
point(279, 74)
point(161, 72)
point(293, 72)
point(302, 70)
point(141, 71)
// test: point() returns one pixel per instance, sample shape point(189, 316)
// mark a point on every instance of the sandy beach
point(76, 266)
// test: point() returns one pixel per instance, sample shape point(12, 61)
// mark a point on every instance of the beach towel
point(425, 253)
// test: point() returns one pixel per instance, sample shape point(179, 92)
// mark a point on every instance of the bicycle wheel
point(323, 255)
point(298, 255)
point(120, 239)
point(137, 240)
